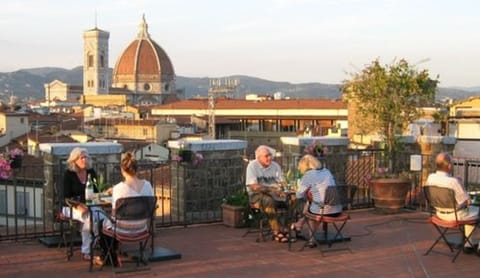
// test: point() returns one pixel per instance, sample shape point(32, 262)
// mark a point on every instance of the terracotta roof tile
point(249, 104)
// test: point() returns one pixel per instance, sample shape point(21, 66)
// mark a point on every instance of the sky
point(295, 41)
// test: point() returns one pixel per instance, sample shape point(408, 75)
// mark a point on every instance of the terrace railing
point(23, 199)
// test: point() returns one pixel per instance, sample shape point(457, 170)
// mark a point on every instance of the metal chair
point(69, 228)
point(259, 220)
point(258, 223)
point(334, 195)
point(442, 200)
point(132, 221)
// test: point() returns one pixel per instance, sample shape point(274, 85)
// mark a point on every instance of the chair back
point(440, 197)
point(135, 208)
point(334, 195)
point(338, 195)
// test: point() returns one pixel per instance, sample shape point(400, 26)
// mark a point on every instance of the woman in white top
point(131, 186)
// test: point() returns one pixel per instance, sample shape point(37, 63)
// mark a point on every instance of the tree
point(387, 99)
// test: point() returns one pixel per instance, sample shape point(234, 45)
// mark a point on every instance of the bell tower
point(96, 80)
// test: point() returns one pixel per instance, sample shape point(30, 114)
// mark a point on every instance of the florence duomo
point(143, 73)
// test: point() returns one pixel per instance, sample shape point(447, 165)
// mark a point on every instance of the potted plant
point(389, 190)
point(235, 209)
point(386, 98)
point(10, 160)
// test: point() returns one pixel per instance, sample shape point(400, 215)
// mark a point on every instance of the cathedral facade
point(143, 73)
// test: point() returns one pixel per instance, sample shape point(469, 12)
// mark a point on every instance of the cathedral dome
point(144, 67)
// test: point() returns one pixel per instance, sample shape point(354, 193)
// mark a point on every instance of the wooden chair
point(334, 195)
point(442, 200)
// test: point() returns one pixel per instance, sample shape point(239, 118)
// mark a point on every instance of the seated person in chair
point(442, 178)
point(264, 180)
point(74, 180)
point(131, 186)
point(316, 179)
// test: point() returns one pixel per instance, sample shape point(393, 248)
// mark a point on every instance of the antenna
point(218, 87)
point(95, 18)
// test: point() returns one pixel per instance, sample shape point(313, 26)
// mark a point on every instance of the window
point(90, 61)
point(22, 204)
point(145, 131)
point(146, 87)
point(102, 61)
point(3, 202)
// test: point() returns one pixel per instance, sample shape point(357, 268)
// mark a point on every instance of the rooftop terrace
point(382, 246)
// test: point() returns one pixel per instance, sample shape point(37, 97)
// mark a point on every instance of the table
point(102, 203)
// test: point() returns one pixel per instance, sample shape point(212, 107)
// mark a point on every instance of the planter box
point(233, 216)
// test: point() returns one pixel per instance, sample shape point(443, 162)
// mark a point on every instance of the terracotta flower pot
point(233, 216)
point(389, 194)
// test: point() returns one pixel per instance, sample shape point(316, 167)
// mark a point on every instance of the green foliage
point(239, 198)
point(387, 99)
point(101, 184)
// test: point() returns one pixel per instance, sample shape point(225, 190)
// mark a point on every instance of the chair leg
point(339, 236)
point(257, 225)
point(312, 229)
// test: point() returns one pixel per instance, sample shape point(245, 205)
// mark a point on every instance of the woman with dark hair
point(131, 186)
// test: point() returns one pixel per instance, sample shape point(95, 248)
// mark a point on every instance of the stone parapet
point(294, 147)
point(207, 171)
point(55, 154)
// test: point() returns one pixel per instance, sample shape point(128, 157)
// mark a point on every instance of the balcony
point(188, 220)
point(382, 246)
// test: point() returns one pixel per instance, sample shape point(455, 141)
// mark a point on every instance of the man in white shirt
point(443, 178)
point(262, 178)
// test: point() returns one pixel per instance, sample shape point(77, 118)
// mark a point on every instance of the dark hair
point(129, 164)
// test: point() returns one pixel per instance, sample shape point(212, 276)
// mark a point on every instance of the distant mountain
point(251, 85)
point(29, 84)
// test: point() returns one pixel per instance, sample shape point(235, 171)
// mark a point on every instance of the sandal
point(97, 260)
point(278, 236)
point(297, 232)
point(311, 244)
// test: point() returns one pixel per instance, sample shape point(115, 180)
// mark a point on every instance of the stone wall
point(337, 148)
point(55, 154)
point(215, 170)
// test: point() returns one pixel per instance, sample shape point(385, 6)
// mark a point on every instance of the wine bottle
point(89, 190)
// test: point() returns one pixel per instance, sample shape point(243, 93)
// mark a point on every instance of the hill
point(29, 84)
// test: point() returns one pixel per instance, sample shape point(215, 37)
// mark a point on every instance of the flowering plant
point(7, 160)
point(384, 173)
point(188, 156)
point(318, 150)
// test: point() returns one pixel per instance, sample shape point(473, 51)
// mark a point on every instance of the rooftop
point(382, 246)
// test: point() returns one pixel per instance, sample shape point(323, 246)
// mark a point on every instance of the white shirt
point(443, 179)
point(269, 176)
